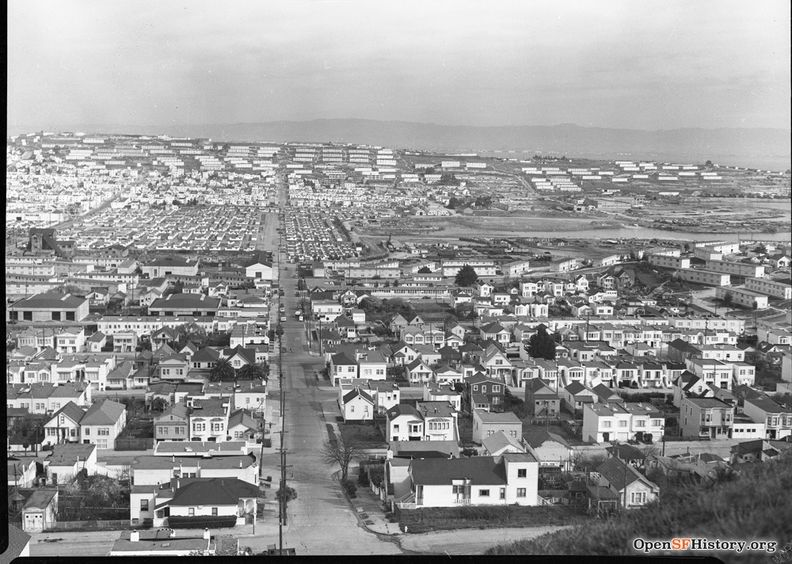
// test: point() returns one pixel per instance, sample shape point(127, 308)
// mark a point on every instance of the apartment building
point(742, 297)
point(705, 418)
point(745, 269)
point(705, 277)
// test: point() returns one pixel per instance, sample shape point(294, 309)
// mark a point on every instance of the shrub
point(350, 488)
point(363, 478)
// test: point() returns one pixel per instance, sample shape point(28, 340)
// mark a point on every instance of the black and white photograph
point(418, 278)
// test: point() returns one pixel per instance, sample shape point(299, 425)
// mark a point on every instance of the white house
point(102, 424)
point(481, 480)
point(356, 404)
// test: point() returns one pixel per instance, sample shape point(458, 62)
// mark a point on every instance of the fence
point(92, 525)
point(130, 443)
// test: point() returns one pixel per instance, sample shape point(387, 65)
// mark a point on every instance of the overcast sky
point(633, 64)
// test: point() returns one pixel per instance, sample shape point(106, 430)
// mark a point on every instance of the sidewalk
point(370, 513)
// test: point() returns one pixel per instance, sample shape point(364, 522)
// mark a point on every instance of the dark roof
point(536, 436)
point(342, 359)
point(206, 354)
point(480, 470)
point(103, 412)
point(619, 474)
point(40, 499)
point(49, 300)
point(68, 454)
point(349, 396)
point(70, 410)
point(17, 541)
point(185, 301)
point(626, 452)
point(213, 491)
point(402, 409)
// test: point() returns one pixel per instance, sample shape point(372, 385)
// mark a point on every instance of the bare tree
point(341, 453)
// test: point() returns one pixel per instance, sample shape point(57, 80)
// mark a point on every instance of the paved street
point(320, 520)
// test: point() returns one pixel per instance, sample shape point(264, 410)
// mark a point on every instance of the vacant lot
point(366, 435)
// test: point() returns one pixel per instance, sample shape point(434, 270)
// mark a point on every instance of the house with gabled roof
point(500, 443)
point(40, 511)
point(172, 424)
point(239, 356)
point(403, 423)
point(173, 367)
point(575, 396)
point(242, 426)
point(418, 372)
point(483, 392)
point(64, 425)
point(444, 374)
point(212, 502)
point(550, 449)
point(496, 332)
point(66, 460)
point(497, 365)
point(543, 402)
point(204, 359)
point(356, 404)
point(632, 488)
point(508, 479)
point(102, 423)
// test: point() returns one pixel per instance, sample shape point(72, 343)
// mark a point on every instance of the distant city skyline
point(616, 64)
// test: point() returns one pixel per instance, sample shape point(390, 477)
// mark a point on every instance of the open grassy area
point(753, 505)
point(486, 517)
point(364, 435)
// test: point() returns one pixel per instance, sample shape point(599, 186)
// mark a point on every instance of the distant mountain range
point(757, 147)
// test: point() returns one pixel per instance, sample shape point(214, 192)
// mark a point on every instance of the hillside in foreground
point(756, 504)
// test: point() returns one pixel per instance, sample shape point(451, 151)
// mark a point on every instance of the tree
point(424, 270)
point(542, 345)
point(341, 453)
point(291, 494)
point(466, 276)
point(222, 371)
point(253, 372)
point(727, 299)
point(159, 404)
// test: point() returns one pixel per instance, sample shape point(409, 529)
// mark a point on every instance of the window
point(214, 511)
point(520, 492)
point(191, 511)
point(640, 423)
point(86, 430)
point(622, 423)
point(522, 472)
point(144, 505)
point(395, 428)
point(503, 493)
point(484, 493)
point(606, 424)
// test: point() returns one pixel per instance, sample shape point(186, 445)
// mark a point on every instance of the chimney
point(134, 536)
point(206, 534)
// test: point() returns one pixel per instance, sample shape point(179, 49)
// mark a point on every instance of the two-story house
point(102, 423)
point(777, 418)
point(705, 418)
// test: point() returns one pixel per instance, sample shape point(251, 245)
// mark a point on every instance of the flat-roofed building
point(705, 277)
point(768, 287)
